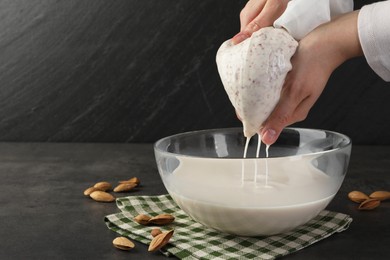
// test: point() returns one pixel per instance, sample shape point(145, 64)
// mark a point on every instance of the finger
point(270, 135)
point(272, 10)
point(252, 9)
point(240, 37)
point(284, 112)
point(250, 28)
point(280, 117)
point(266, 15)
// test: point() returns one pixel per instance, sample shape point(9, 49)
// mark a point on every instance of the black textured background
point(138, 70)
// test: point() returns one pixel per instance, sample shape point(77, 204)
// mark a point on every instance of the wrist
point(347, 34)
point(334, 42)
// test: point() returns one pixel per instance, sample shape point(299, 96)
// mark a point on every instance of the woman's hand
point(317, 55)
point(258, 14)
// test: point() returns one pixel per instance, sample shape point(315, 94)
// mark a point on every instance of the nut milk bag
point(253, 73)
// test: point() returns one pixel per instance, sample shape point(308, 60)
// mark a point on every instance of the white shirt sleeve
point(374, 36)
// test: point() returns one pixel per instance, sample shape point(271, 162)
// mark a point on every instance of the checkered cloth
point(192, 240)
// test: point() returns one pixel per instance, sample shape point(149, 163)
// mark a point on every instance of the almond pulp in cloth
point(253, 73)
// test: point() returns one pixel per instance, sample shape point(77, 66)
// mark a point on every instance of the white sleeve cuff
point(374, 36)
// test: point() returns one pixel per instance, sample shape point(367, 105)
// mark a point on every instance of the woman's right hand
point(318, 54)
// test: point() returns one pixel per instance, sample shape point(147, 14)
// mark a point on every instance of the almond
point(380, 195)
point(102, 196)
point(103, 186)
point(142, 219)
point(162, 219)
point(357, 196)
point(155, 232)
point(160, 240)
point(131, 180)
point(369, 204)
point(125, 187)
point(123, 243)
point(88, 191)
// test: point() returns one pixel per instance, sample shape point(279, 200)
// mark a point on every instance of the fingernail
point(269, 136)
point(240, 37)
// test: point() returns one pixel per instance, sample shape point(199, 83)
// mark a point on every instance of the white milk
point(256, 173)
point(212, 192)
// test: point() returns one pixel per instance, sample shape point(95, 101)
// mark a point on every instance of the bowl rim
point(158, 142)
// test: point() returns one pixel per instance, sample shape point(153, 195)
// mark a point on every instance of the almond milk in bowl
point(206, 175)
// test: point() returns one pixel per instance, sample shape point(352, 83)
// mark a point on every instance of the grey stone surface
point(44, 215)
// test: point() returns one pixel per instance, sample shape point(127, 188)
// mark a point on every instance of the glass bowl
point(206, 175)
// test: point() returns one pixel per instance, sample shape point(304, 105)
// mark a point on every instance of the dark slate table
point(44, 214)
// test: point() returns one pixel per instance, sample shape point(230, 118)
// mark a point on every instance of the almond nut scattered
point(125, 187)
point(102, 196)
point(142, 219)
point(88, 191)
point(103, 186)
point(369, 204)
point(131, 180)
point(160, 240)
point(155, 232)
point(162, 219)
point(123, 243)
point(380, 195)
point(357, 196)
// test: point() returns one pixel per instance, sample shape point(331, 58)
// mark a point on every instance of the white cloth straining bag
point(302, 16)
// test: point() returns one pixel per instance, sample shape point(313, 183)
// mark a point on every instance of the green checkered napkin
point(192, 240)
